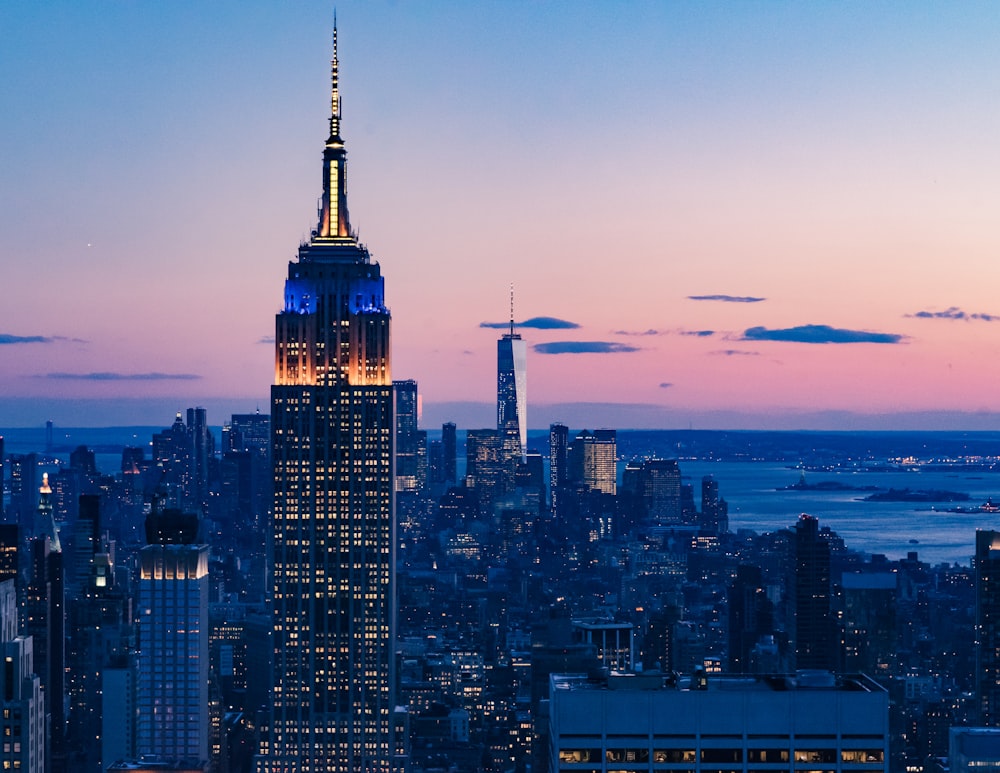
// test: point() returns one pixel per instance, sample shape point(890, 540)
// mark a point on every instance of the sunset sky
point(734, 214)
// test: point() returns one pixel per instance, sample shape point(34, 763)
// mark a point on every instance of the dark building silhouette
point(987, 677)
point(869, 622)
point(714, 509)
point(99, 637)
point(247, 484)
point(558, 445)
point(449, 453)
point(817, 640)
point(659, 483)
point(202, 450)
point(751, 617)
point(24, 486)
point(44, 621)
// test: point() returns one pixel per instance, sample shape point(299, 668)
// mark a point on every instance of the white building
point(22, 708)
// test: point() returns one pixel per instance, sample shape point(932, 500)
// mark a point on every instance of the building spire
point(512, 308)
point(334, 221)
point(334, 87)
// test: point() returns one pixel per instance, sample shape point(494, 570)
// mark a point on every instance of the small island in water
point(824, 485)
point(916, 495)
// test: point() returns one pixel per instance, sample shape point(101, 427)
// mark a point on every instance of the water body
point(890, 528)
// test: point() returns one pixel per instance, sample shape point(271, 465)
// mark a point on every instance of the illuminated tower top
point(334, 221)
point(334, 326)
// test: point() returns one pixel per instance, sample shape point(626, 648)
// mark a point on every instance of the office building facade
point(591, 460)
point(332, 528)
point(172, 674)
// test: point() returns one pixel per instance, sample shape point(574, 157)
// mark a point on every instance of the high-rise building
point(23, 490)
point(751, 617)
point(99, 636)
point(714, 509)
point(250, 434)
point(512, 386)
point(333, 525)
point(658, 486)
point(869, 604)
point(987, 680)
point(172, 676)
point(489, 470)
point(817, 641)
point(591, 459)
point(202, 450)
point(449, 453)
point(171, 450)
point(558, 443)
point(411, 442)
point(22, 702)
point(44, 621)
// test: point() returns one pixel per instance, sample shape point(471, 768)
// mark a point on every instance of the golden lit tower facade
point(333, 526)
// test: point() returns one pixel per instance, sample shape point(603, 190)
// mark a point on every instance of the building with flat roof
point(974, 749)
point(812, 721)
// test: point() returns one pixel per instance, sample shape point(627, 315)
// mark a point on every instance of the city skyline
point(715, 215)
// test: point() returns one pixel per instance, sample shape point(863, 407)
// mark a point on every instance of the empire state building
point(333, 526)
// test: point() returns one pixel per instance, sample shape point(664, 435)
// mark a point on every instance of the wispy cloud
point(584, 347)
point(727, 298)
point(266, 340)
point(536, 323)
point(820, 334)
point(733, 353)
point(110, 376)
point(955, 313)
point(665, 385)
point(653, 332)
point(8, 338)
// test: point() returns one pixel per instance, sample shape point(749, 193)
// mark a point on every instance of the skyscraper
point(817, 643)
point(45, 621)
point(21, 698)
point(449, 453)
point(333, 526)
point(512, 386)
point(987, 679)
point(558, 444)
point(411, 442)
point(591, 460)
point(172, 683)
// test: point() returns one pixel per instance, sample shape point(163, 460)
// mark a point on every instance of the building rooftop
point(657, 681)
